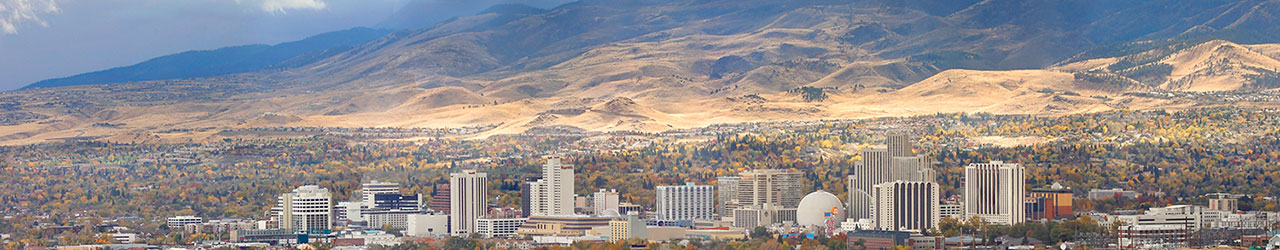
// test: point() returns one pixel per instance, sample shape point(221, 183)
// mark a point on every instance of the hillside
point(657, 65)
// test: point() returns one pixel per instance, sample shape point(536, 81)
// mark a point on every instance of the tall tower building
point(995, 192)
point(553, 194)
point(911, 206)
point(900, 145)
point(526, 196)
point(307, 208)
point(770, 186)
point(767, 197)
point(605, 200)
point(687, 202)
point(884, 164)
point(467, 202)
point(726, 195)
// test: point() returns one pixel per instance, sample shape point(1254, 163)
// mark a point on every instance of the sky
point(42, 39)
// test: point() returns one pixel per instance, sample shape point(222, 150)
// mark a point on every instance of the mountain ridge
point(652, 66)
point(222, 61)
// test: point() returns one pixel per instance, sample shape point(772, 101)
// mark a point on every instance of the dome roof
point(813, 209)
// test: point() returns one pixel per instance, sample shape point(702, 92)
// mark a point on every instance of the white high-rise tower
point(553, 194)
point(995, 192)
point(467, 201)
point(307, 208)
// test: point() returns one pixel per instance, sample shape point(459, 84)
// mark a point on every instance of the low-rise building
point(570, 225)
point(874, 239)
point(499, 227)
point(180, 221)
point(124, 238)
point(427, 225)
point(751, 216)
point(219, 226)
point(1098, 194)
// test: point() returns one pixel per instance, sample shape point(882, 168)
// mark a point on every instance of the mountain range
point(639, 65)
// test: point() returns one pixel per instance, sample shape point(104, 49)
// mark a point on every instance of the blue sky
point(42, 39)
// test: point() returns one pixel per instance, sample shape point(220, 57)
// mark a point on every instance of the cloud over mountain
point(16, 12)
point(282, 6)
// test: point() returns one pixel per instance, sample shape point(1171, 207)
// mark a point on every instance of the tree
point(949, 226)
point(761, 233)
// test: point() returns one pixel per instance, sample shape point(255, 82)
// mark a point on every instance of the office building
point(1224, 202)
point(1058, 201)
point(553, 194)
point(687, 202)
point(468, 192)
point(896, 162)
point(308, 208)
point(995, 192)
point(180, 221)
point(499, 227)
point(427, 225)
point(726, 195)
point(369, 189)
point(604, 200)
point(1035, 207)
point(907, 206)
point(440, 200)
point(526, 189)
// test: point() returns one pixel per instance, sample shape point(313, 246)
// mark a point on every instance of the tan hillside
point(1210, 66)
point(1005, 92)
point(1216, 66)
point(659, 65)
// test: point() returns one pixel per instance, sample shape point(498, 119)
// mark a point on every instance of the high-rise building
point(726, 195)
point(779, 187)
point(896, 162)
point(553, 194)
point(468, 190)
point(440, 201)
point(994, 192)
point(911, 206)
point(687, 202)
point(391, 210)
point(605, 200)
point(899, 145)
point(526, 192)
point(307, 208)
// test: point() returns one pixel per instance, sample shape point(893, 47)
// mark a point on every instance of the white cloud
point(16, 12)
point(281, 6)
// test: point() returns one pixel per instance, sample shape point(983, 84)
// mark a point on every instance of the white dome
point(813, 209)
